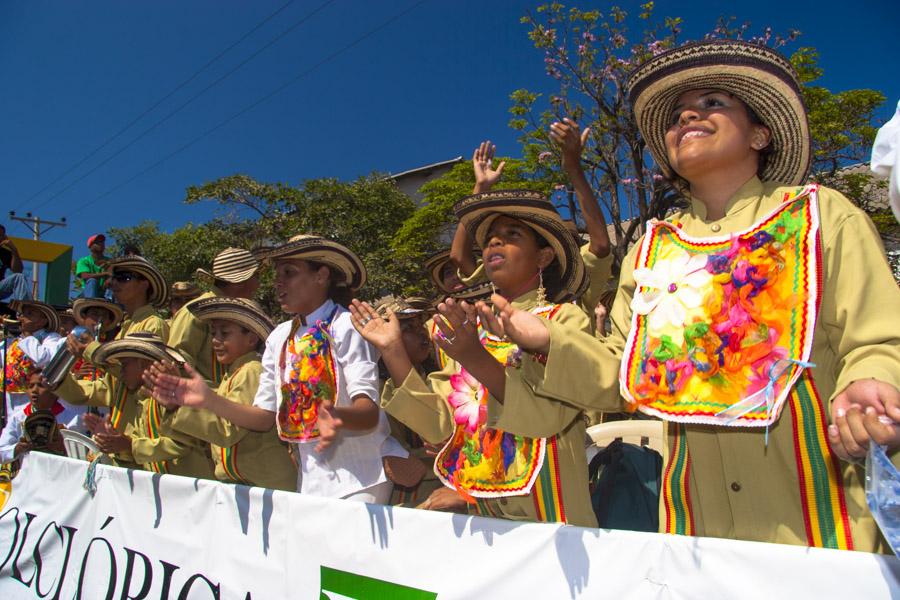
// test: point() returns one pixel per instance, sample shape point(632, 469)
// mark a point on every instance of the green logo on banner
point(338, 585)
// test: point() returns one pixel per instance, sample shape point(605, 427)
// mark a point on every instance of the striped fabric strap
point(120, 394)
point(547, 491)
point(818, 471)
point(153, 419)
point(229, 464)
point(679, 517)
point(217, 373)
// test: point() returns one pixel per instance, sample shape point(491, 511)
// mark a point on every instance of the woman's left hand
point(458, 332)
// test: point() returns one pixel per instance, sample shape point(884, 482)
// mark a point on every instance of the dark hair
point(552, 273)
point(338, 291)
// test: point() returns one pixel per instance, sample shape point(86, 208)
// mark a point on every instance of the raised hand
point(375, 330)
point(482, 163)
point(113, 443)
point(571, 140)
point(329, 426)
point(528, 331)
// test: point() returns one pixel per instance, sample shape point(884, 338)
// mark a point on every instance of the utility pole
point(38, 227)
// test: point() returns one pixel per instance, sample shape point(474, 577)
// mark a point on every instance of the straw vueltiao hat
point(399, 306)
point(80, 306)
point(332, 254)
point(159, 290)
point(184, 289)
point(45, 309)
point(759, 76)
point(144, 345)
point(246, 313)
point(233, 265)
point(434, 266)
point(477, 212)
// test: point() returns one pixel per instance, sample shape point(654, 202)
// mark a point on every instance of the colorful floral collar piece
point(312, 379)
point(478, 461)
point(722, 327)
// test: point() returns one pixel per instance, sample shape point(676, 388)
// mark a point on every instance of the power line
point(179, 87)
point(263, 99)
point(187, 102)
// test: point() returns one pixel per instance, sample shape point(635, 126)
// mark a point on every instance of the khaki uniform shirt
point(423, 407)
point(185, 455)
point(739, 487)
point(102, 393)
point(191, 338)
point(241, 455)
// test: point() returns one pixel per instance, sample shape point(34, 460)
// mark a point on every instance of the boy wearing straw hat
point(235, 273)
point(239, 329)
point(748, 321)
point(180, 294)
point(137, 433)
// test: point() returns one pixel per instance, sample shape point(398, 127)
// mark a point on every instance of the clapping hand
point(865, 410)
point(528, 331)
point(571, 141)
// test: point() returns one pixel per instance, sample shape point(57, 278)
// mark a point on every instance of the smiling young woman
point(748, 321)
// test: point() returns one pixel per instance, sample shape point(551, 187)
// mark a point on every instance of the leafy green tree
point(364, 215)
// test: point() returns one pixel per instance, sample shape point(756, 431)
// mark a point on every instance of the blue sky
point(427, 87)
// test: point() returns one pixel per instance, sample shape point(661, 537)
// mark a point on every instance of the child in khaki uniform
point(747, 321)
point(138, 431)
point(525, 247)
point(238, 328)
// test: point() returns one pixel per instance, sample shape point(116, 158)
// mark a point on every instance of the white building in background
point(410, 181)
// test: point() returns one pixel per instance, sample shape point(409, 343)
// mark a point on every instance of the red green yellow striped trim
point(217, 372)
point(547, 492)
point(676, 486)
point(153, 419)
point(818, 471)
point(120, 394)
point(229, 464)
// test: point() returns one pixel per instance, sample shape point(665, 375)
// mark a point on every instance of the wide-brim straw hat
point(332, 254)
point(477, 213)
point(80, 306)
point(246, 313)
point(234, 265)
point(184, 289)
point(144, 345)
point(399, 306)
point(159, 290)
point(759, 76)
point(45, 309)
point(434, 266)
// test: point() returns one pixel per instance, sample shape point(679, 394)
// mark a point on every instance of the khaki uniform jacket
point(191, 338)
point(241, 455)
point(186, 455)
point(102, 393)
point(423, 408)
point(739, 488)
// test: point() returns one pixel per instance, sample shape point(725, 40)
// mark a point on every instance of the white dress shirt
point(353, 462)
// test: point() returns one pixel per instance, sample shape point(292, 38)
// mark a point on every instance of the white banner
point(149, 536)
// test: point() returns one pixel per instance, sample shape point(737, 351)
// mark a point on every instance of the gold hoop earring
point(541, 291)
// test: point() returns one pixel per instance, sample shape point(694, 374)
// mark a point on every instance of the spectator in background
point(13, 286)
point(92, 269)
point(180, 294)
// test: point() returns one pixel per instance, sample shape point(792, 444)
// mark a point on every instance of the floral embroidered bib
point(312, 378)
point(722, 327)
point(478, 461)
point(18, 366)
